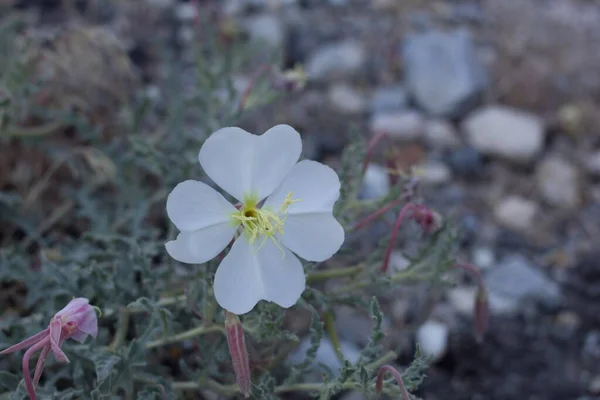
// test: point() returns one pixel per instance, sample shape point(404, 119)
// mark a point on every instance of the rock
point(355, 327)
point(376, 182)
point(185, 11)
point(505, 132)
point(326, 355)
point(516, 213)
point(388, 98)
point(434, 173)
point(345, 99)
point(592, 164)
point(432, 337)
point(336, 60)
point(398, 262)
point(442, 71)
point(266, 29)
point(466, 162)
point(517, 279)
point(401, 125)
point(483, 257)
point(462, 299)
point(354, 395)
point(440, 134)
point(558, 182)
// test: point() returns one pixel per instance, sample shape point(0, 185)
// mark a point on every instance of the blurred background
point(495, 103)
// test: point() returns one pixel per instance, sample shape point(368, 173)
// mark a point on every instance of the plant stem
point(122, 330)
point(201, 330)
point(334, 273)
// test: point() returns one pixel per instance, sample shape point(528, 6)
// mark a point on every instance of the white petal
point(202, 245)
point(242, 163)
point(246, 276)
point(316, 185)
point(313, 236)
point(194, 205)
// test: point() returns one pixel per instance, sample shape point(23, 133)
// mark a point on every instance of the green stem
point(201, 330)
point(122, 330)
point(35, 131)
point(335, 273)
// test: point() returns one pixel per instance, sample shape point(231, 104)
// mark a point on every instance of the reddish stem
point(388, 253)
point(397, 376)
point(26, 343)
point(260, 72)
point(28, 384)
point(367, 220)
point(39, 367)
point(371, 147)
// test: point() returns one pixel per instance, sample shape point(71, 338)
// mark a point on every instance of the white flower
point(295, 216)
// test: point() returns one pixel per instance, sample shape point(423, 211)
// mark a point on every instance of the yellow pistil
point(263, 223)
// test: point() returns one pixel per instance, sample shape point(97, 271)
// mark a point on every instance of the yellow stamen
point(263, 223)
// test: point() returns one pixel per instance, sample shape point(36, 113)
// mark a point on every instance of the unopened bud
point(290, 80)
point(238, 352)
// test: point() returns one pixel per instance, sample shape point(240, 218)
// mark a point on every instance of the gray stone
point(336, 60)
point(505, 132)
point(376, 182)
point(516, 213)
point(440, 134)
point(517, 279)
point(432, 337)
point(388, 98)
point(465, 161)
point(402, 125)
point(185, 11)
point(345, 99)
point(434, 173)
point(442, 71)
point(558, 182)
point(462, 299)
point(326, 355)
point(592, 164)
point(483, 257)
point(266, 29)
point(355, 327)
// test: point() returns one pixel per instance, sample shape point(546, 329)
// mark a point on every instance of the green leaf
point(8, 380)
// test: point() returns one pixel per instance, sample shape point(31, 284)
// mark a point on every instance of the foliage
point(94, 225)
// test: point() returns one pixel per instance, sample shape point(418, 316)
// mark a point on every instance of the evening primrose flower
point(76, 321)
point(285, 208)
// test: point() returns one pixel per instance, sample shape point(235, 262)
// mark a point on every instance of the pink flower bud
point(76, 321)
point(238, 352)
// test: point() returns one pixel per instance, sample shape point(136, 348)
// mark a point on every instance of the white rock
point(265, 28)
point(432, 337)
point(336, 60)
point(326, 355)
point(388, 98)
point(376, 182)
point(462, 299)
point(558, 182)
point(483, 257)
point(515, 212)
point(592, 164)
point(185, 11)
point(401, 125)
point(398, 262)
point(505, 132)
point(434, 173)
point(345, 99)
point(443, 72)
point(440, 134)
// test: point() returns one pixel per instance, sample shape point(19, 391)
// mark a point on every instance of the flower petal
point(316, 185)
point(246, 276)
point(74, 306)
point(242, 163)
point(194, 205)
point(202, 245)
point(313, 236)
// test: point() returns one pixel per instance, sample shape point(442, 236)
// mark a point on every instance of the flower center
point(263, 223)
